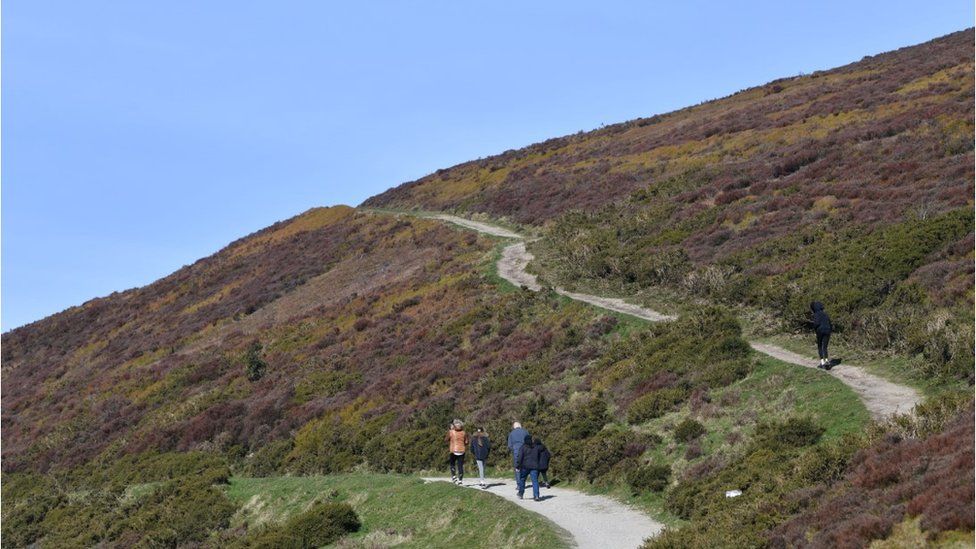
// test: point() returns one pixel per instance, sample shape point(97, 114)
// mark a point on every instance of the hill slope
point(345, 340)
point(853, 186)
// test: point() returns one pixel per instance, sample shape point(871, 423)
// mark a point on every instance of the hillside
point(190, 411)
point(853, 186)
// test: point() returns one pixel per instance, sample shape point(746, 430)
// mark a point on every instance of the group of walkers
point(530, 457)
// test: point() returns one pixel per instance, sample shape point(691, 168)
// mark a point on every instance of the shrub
point(649, 478)
point(792, 433)
point(655, 404)
point(254, 365)
point(178, 513)
point(361, 324)
point(268, 459)
point(27, 500)
point(272, 538)
point(688, 429)
point(407, 450)
point(323, 523)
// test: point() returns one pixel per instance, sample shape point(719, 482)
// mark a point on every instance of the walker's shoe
point(536, 499)
point(520, 496)
point(483, 486)
point(454, 480)
point(546, 485)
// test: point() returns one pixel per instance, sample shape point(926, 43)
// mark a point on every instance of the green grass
point(398, 510)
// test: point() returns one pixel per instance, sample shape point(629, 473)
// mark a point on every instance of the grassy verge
point(397, 510)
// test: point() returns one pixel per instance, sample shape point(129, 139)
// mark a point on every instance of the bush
point(792, 433)
point(655, 404)
point(179, 512)
point(273, 538)
point(649, 478)
point(254, 365)
point(407, 450)
point(27, 500)
point(688, 429)
point(268, 459)
point(323, 523)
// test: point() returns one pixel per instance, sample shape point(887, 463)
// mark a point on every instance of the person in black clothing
point(480, 447)
point(821, 323)
point(544, 457)
point(528, 465)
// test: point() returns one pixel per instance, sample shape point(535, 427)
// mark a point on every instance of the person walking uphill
point(515, 440)
point(480, 447)
point(821, 323)
point(457, 441)
point(529, 458)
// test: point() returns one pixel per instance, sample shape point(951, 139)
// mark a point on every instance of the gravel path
point(881, 397)
point(477, 225)
point(595, 522)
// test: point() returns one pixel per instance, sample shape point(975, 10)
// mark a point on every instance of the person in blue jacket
point(480, 447)
point(823, 327)
point(515, 441)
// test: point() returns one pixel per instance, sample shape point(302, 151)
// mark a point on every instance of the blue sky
point(138, 137)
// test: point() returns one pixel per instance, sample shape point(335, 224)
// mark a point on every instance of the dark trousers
point(822, 341)
point(525, 473)
point(457, 464)
point(544, 476)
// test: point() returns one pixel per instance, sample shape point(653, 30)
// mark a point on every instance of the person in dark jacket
point(527, 463)
point(821, 324)
point(480, 447)
point(515, 440)
point(544, 457)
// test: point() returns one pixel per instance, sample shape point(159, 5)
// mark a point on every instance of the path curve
point(594, 522)
point(881, 397)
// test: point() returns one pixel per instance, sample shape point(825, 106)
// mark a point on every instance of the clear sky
point(138, 137)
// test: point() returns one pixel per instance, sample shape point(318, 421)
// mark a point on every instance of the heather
point(860, 144)
point(191, 411)
point(880, 284)
point(362, 367)
point(799, 491)
point(852, 185)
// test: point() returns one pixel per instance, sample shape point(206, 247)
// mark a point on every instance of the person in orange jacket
point(457, 442)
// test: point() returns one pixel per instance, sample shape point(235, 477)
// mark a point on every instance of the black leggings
point(457, 464)
point(822, 340)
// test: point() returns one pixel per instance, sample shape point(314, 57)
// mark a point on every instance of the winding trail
point(881, 397)
point(594, 522)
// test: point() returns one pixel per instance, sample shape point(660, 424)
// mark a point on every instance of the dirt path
point(593, 522)
point(477, 225)
point(881, 397)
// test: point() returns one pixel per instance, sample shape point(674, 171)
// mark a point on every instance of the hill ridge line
point(881, 397)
